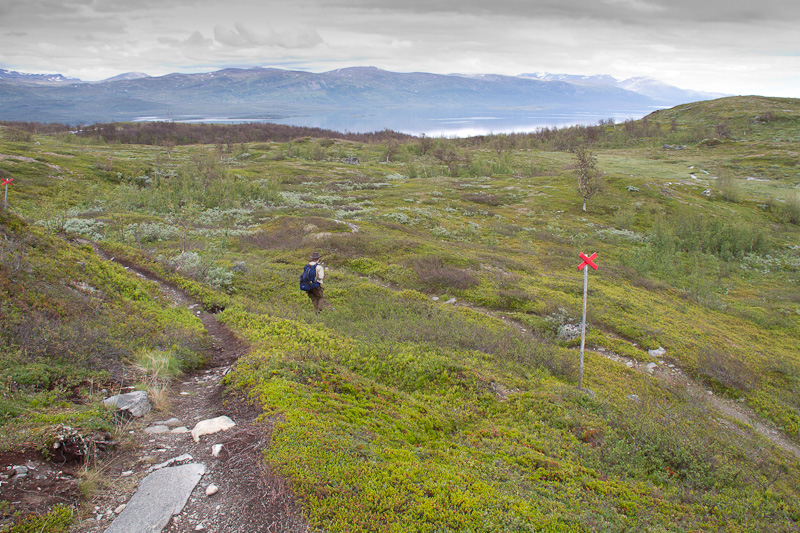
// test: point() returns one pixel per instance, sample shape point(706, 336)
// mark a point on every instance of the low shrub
point(435, 274)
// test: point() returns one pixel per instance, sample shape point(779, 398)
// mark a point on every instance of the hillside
point(268, 94)
point(439, 393)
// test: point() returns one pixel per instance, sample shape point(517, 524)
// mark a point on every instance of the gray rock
point(152, 430)
point(136, 403)
point(633, 397)
point(160, 495)
point(651, 367)
point(658, 352)
point(172, 422)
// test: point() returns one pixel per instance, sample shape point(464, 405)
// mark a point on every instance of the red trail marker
point(587, 261)
point(6, 182)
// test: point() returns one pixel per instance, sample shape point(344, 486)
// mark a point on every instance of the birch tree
point(590, 180)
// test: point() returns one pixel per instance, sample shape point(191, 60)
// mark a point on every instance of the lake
point(453, 122)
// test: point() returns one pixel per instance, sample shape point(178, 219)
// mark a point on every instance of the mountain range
point(256, 94)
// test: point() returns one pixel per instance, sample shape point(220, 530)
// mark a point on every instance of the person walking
point(311, 282)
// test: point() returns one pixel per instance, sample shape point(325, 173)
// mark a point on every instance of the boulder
point(135, 403)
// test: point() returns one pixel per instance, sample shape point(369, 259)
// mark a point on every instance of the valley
point(440, 391)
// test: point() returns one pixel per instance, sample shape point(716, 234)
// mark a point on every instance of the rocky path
point(671, 373)
point(734, 410)
point(227, 486)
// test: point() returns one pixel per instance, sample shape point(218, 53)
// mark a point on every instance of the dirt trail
point(735, 410)
point(250, 497)
point(673, 374)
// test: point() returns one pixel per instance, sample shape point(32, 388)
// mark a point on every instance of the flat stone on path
point(172, 422)
point(159, 496)
point(152, 430)
point(212, 425)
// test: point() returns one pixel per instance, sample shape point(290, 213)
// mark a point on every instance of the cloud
point(241, 36)
point(195, 41)
point(637, 5)
point(686, 12)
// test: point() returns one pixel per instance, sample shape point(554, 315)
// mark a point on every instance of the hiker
point(311, 281)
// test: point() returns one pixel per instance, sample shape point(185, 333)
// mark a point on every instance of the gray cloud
point(243, 37)
point(651, 12)
point(195, 41)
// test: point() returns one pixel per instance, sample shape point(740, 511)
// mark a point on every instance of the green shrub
point(57, 520)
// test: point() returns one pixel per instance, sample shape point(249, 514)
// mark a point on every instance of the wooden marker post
point(587, 261)
point(6, 182)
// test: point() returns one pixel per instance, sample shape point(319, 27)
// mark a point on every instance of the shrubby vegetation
point(396, 411)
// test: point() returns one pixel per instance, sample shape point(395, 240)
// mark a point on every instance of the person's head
point(315, 256)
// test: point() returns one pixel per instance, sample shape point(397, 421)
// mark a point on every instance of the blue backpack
point(308, 280)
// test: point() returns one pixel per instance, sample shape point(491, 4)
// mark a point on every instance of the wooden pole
point(583, 324)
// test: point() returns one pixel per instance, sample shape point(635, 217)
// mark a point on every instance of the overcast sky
point(729, 46)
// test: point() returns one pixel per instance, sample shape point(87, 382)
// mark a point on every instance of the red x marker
point(587, 261)
point(6, 181)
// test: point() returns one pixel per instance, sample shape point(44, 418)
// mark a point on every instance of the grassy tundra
point(398, 412)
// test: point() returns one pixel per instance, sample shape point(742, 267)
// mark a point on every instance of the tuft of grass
point(159, 369)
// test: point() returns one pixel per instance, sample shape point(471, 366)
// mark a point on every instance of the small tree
point(590, 180)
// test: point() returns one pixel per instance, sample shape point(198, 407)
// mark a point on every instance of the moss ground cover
point(397, 412)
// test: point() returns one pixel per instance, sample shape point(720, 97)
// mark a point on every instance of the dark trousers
point(317, 296)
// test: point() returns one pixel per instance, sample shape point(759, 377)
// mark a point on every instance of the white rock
point(199, 527)
point(213, 425)
point(633, 397)
point(120, 508)
point(658, 352)
point(211, 490)
point(126, 473)
point(450, 301)
point(168, 462)
point(215, 449)
point(629, 364)
point(182, 429)
point(651, 367)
